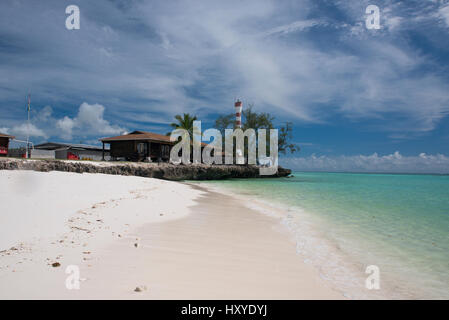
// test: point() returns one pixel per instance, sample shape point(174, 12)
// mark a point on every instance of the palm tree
point(184, 122)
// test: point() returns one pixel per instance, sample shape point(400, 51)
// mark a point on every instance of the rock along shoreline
point(164, 171)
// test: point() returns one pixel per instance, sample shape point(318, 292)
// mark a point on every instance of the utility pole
point(28, 125)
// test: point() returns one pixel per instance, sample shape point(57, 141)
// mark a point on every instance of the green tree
point(183, 122)
point(256, 120)
point(224, 122)
point(284, 139)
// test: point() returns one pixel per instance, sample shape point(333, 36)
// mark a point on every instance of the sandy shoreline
point(173, 240)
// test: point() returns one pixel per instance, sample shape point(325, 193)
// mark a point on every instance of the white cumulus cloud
point(90, 120)
point(89, 123)
point(21, 131)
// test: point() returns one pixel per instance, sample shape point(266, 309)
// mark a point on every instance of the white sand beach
point(171, 240)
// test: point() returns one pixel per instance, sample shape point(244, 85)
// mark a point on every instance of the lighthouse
point(238, 114)
point(238, 125)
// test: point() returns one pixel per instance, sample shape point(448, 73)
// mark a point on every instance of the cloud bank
point(392, 163)
point(305, 60)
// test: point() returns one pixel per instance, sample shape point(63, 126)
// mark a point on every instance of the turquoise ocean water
point(344, 222)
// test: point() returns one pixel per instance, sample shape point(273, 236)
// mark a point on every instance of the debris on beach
point(55, 264)
point(140, 288)
point(81, 229)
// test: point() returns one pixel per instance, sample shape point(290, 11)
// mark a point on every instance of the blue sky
point(349, 91)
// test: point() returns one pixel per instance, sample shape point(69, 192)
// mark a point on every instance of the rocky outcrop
point(152, 170)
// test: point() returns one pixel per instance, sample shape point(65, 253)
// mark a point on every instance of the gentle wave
point(344, 222)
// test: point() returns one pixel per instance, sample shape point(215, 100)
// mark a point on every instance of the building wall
point(128, 150)
point(4, 143)
point(160, 150)
point(125, 149)
point(61, 154)
point(42, 154)
point(82, 154)
point(91, 154)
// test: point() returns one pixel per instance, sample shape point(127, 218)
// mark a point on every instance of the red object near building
point(71, 156)
point(4, 144)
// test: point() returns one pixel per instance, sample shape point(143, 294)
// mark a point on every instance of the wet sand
point(217, 249)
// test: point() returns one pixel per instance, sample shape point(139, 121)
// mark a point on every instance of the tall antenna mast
point(28, 124)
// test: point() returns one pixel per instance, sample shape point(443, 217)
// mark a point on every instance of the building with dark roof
point(70, 151)
point(139, 146)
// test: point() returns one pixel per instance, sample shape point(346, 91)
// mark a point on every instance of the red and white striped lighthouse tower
point(238, 114)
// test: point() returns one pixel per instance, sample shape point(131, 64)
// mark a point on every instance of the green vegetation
point(183, 122)
point(260, 120)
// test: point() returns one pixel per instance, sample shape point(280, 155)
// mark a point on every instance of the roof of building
point(143, 135)
point(3, 135)
point(62, 145)
point(140, 135)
